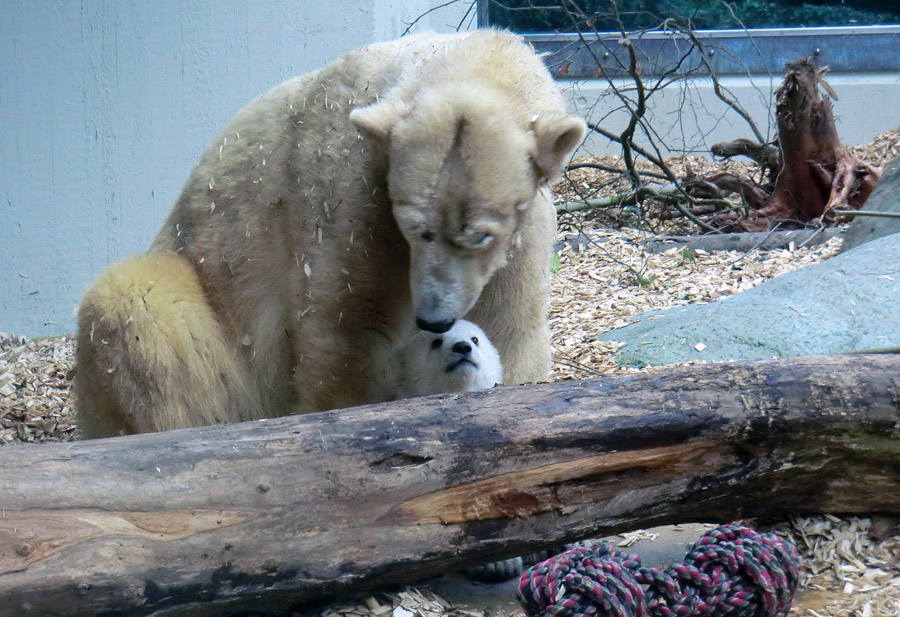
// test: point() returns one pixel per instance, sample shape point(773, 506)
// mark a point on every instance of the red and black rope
point(731, 571)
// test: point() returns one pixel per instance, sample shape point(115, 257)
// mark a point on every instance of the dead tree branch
point(765, 155)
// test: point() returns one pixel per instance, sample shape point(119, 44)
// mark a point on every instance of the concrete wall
point(106, 105)
point(689, 117)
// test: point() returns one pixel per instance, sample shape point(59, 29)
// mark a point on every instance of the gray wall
point(687, 114)
point(105, 105)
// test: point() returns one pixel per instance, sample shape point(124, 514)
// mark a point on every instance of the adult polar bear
point(403, 184)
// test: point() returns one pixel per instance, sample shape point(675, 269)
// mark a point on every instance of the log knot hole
point(400, 460)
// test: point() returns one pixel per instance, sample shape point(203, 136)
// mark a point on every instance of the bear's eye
point(428, 236)
point(475, 341)
point(484, 240)
point(436, 343)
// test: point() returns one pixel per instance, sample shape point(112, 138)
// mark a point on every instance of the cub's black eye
point(428, 236)
point(436, 343)
point(475, 341)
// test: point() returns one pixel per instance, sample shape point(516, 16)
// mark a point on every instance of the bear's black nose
point(438, 327)
point(462, 348)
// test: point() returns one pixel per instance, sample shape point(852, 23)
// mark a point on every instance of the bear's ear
point(556, 138)
point(376, 120)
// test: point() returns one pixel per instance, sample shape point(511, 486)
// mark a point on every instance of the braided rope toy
point(730, 571)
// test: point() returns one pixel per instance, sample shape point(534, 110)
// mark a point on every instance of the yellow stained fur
point(156, 355)
point(308, 239)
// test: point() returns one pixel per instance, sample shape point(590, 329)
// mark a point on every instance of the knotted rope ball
point(731, 570)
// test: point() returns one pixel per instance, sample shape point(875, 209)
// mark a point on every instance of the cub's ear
point(376, 120)
point(556, 138)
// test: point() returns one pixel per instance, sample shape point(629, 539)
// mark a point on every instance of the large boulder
point(847, 303)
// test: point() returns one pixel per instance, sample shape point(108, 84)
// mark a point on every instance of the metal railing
point(759, 51)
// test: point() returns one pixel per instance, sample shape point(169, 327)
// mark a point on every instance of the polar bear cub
point(458, 360)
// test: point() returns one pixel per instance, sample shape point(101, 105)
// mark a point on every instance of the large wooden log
point(269, 515)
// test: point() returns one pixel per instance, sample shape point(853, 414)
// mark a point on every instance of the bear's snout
point(438, 327)
point(462, 348)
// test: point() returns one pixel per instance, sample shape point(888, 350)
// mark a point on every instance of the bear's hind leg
point(151, 354)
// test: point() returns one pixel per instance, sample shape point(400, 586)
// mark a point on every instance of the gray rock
point(575, 241)
point(847, 303)
point(885, 198)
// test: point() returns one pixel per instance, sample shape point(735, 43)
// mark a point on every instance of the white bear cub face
point(458, 360)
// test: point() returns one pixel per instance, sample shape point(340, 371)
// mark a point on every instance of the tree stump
point(818, 173)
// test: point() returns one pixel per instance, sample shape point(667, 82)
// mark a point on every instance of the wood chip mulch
point(36, 401)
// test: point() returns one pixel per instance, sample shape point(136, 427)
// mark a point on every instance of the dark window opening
point(583, 37)
point(530, 16)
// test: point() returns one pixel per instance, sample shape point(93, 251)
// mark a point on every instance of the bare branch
point(767, 155)
point(670, 175)
point(611, 169)
point(472, 5)
point(717, 87)
point(431, 10)
point(669, 194)
point(890, 215)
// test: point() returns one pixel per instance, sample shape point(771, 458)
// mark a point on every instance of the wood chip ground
point(849, 568)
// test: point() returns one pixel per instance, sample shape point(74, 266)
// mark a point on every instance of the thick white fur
point(458, 360)
point(405, 180)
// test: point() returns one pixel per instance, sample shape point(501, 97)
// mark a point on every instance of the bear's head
point(465, 164)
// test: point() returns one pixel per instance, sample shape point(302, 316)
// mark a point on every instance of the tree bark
point(818, 173)
point(268, 515)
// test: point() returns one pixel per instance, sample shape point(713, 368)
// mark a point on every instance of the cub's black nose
point(438, 327)
point(462, 348)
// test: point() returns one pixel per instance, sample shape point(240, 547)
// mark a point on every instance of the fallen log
point(269, 515)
